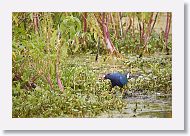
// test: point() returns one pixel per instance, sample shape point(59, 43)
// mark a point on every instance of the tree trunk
point(106, 34)
point(167, 30)
point(114, 25)
point(35, 22)
point(120, 25)
point(128, 27)
point(84, 21)
point(155, 19)
point(57, 63)
point(148, 32)
point(133, 31)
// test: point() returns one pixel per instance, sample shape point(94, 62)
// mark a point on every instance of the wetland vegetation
point(59, 59)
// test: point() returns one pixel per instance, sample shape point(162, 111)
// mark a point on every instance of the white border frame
point(174, 123)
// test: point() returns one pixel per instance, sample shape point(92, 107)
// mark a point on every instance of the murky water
point(144, 106)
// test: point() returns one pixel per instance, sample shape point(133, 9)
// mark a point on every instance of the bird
point(117, 79)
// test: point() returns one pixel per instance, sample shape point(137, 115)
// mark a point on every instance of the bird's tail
point(132, 76)
point(127, 75)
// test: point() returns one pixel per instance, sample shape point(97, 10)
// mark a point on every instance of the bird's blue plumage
point(117, 79)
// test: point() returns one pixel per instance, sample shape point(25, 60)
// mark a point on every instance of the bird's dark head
point(106, 76)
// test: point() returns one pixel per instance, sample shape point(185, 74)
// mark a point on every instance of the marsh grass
point(85, 93)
